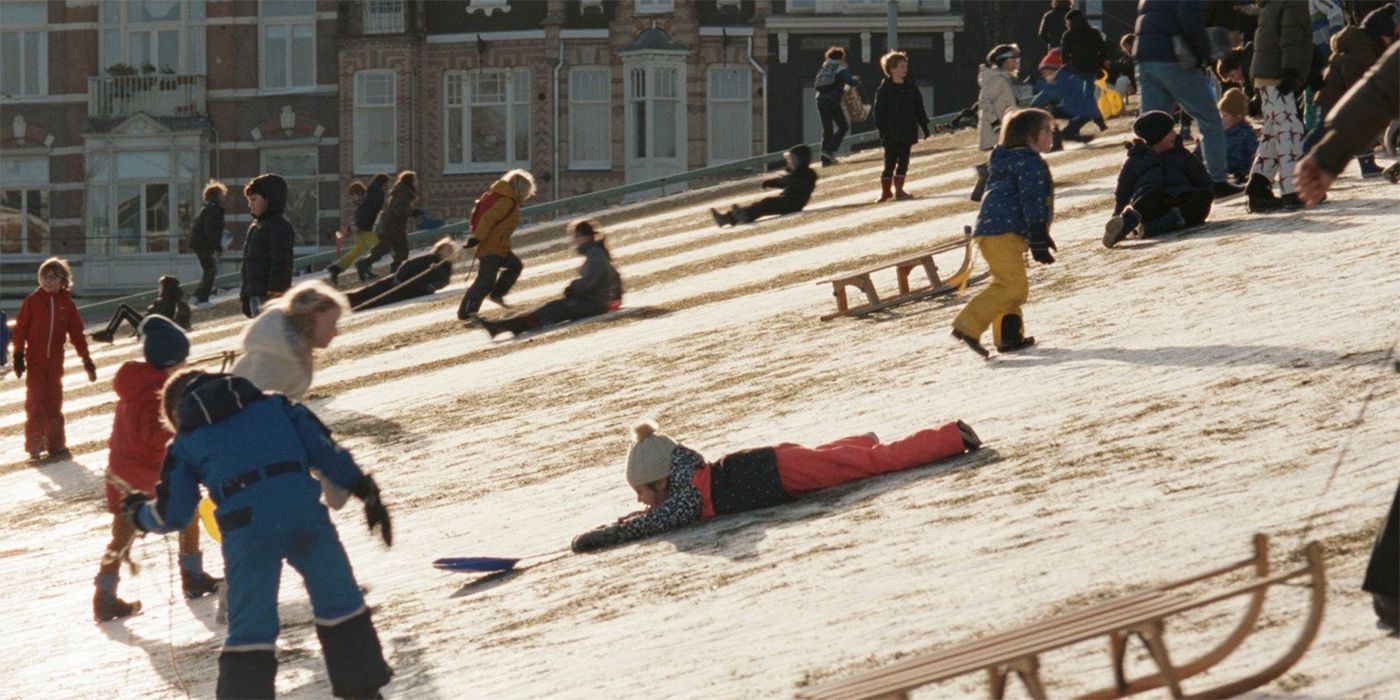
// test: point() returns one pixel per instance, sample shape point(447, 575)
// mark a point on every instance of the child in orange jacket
point(44, 318)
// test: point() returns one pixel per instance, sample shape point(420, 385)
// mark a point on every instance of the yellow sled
point(206, 517)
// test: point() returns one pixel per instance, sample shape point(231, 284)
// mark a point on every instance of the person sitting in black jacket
point(1161, 187)
point(170, 303)
point(418, 277)
point(797, 186)
point(267, 251)
point(597, 290)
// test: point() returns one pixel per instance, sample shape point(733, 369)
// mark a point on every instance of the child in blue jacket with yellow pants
point(1017, 208)
point(269, 509)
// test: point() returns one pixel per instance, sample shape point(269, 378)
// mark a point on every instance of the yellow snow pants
point(364, 241)
point(1005, 256)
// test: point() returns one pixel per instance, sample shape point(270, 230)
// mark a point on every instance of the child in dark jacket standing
point(1016, 212)
point(899, 116)
point(797, 186)
point(1161, 187)
point(170, 303)
point(45, 317)
point(679, 488)
point(269, 510)
point(267, 251)
point(135, 454)
point(207, 239)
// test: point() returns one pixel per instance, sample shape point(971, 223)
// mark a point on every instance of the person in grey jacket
point(597, 290)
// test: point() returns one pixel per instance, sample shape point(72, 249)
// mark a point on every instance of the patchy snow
point(1184, 394)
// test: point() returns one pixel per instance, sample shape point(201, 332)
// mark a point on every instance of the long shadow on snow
point(355, 424)
point(69, 480)
point(1280, 356)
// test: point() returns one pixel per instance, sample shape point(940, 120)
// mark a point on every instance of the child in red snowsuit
point(44, 318)
point(136, 453)
point(679, 488)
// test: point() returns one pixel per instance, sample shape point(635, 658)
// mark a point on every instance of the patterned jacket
point(1020, 196)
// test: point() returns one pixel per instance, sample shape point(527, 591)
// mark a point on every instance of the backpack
point(483, 203)
point(826, 77)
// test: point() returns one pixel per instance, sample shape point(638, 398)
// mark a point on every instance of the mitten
point(19, 365)
point(376, 515)
point(131, 504)
point(1288, 82)
point(1041, 245)
point(90, 368)
point(594, 539)
point(1042, 255)
point(471, 243)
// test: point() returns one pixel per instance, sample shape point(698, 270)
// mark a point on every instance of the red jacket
point(42, 322)
point(136, 449)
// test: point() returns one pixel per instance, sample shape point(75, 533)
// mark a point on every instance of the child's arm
point(177, 497)
point(1033, 187)
point(682, 507)
point(324, 455)
point(22, 321)
point(281, 238)
point(75, 336)
point(775, 183)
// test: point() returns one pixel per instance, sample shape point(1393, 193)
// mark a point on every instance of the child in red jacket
point(136, 453)
point(44, 318)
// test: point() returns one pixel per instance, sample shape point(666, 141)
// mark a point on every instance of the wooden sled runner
point(1142, 615)
point(861, 281)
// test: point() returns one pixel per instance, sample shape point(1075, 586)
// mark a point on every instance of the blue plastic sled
point(477, 564)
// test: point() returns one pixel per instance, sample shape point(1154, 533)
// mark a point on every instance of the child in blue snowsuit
point(1073, 94)
point(269, 509)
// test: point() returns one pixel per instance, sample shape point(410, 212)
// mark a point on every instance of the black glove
point(376, 515)
point(19, 365)
point(1041, 245)
point(471, 243)
point(1288, 82)
point(90, 368)
point(1042, 255)
point(131, 503)
point(594, 539)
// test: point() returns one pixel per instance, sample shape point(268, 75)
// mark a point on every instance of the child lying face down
point(679, 488)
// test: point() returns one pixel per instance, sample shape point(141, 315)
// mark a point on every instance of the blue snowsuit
point(269, 509)
point(1074, 95)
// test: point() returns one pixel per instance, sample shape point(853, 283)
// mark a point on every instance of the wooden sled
point(1142, 615)
point(856, 110)
point(903, 267)
point(224, 358)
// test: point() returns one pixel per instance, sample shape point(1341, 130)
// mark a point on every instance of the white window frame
point(364, 167)
point(21, 32)
point(649, 68)
point(289, 23)
point(513, 102)
point(189, 28)
point(712, 138)
point(266, 154)
point(653, 7)
point(606, 126)
point(36, 179)
point(384, 17)
point(179, 190)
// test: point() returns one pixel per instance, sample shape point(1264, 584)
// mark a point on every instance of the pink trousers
point(803, 469)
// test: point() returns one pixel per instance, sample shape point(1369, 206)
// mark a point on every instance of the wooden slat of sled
point(862, 281)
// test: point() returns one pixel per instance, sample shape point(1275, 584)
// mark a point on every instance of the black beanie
point(163, 343)
point(1153, 126)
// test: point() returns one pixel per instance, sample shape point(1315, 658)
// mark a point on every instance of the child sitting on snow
point(420, 276)
point(170, 303)
point(255, 453)
point(796, 186)
point(679, 488)
point(1070, 95)
point(597, 290)
point(1240, 141)
point(1161, 187)
point(135, 454)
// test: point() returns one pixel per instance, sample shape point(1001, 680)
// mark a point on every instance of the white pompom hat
point(649, 459)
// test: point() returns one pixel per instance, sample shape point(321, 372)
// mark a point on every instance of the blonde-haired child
point(46, 315)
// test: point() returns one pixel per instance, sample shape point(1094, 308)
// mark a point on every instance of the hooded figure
point(267, 252)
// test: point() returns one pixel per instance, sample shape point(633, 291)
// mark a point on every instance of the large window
point(24, 49)
point(376, 140)
point(24, 205)
point(730, 114)
point(590, 119)
point(154, 36)
point(299, 168)
point(141, 201)
point(288, 44)
point(486, 120)
point(654, 99)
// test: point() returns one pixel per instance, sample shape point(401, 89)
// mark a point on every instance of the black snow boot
point(200, 585)
point(972, 342)
point(107, 606)
point(333, 272)
point(103, 336)
point(739, 215)
point(354, 658)
point(721, 220)
point(1387, 611)
point(1013, 336)
point(1260, 195)
point(1392, 173)
point(1164, 224)
point(969, 437)
point(981, 186)
point(364, 270)
point(247, 674)
point(1120, 226)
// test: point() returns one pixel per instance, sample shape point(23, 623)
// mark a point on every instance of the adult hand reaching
point(1312, 181)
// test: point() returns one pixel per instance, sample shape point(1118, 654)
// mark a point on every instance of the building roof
point(654, 39)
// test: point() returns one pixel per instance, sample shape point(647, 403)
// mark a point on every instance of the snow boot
point(103, 336)
point(1387, 611)
point(363, 269)
point(885, 194)
point(333, 273)
point(354, 659)
point(1369, 169)
point(1260, 193)
point(969, 437)
point(1012, 335)
point(721, 220)
point(1392, 173)
point(1120, 226)
point(972, 342)
point(739, 215)
point(1164, 224)
point(199, 585)
point(1291, 201)
point(981, 186)
point(107, 606)
point(899, 192)
point(829, 158)
point(247, 674)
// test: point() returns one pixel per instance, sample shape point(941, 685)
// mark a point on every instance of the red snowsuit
point(136, 450)
point(39, 330)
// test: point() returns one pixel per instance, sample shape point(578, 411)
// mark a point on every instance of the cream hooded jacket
point(275, 357)
point(996, 97)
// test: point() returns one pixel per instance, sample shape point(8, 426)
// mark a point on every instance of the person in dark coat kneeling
point(597, 290)
point(1161, 187)
point(797, 186)
point(419, 277)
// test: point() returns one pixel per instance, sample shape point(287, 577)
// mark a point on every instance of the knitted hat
point(1153, 126)
point(1235, 102)
point(649, 459)
point(164, 343)
point(1053, 60)
point(1001, 52)
point(1380, 22)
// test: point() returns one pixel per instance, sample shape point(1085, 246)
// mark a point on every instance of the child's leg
point(891, 159)
point(1008, 289)
point(36, 419)
point(510, 272)
point(364, 294)
point(248, 664)
point(54, 433)
point(901, 167)
point(1290, 144)
point(130, 315)
point(123, 534)
point(354, 658)
point(351, 254)
point(487, 267)
point(802, 469)
point(1195, 207)
point(189, 543)
point(866, 440)
point(1266, 158)
point(768, 206)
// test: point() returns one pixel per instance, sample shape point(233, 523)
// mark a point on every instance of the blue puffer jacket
point(1020, 195)
point(1160, 20)
point(264, 483)
point(1071, 91)
point(1175, 173)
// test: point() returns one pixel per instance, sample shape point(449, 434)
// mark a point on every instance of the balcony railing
point(157, 95)
point(384, 16)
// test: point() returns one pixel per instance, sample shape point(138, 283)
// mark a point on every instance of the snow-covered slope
point(1184, 395)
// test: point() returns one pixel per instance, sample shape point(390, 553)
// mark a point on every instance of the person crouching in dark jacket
point(1162, 187)
point(796, 185)
point(267, 250)
point(418, 277)
point(170, 303)
point(899, 115)
point(597, 290)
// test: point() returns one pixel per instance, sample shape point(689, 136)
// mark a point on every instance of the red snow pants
point(802, 469)
point(43, 407)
